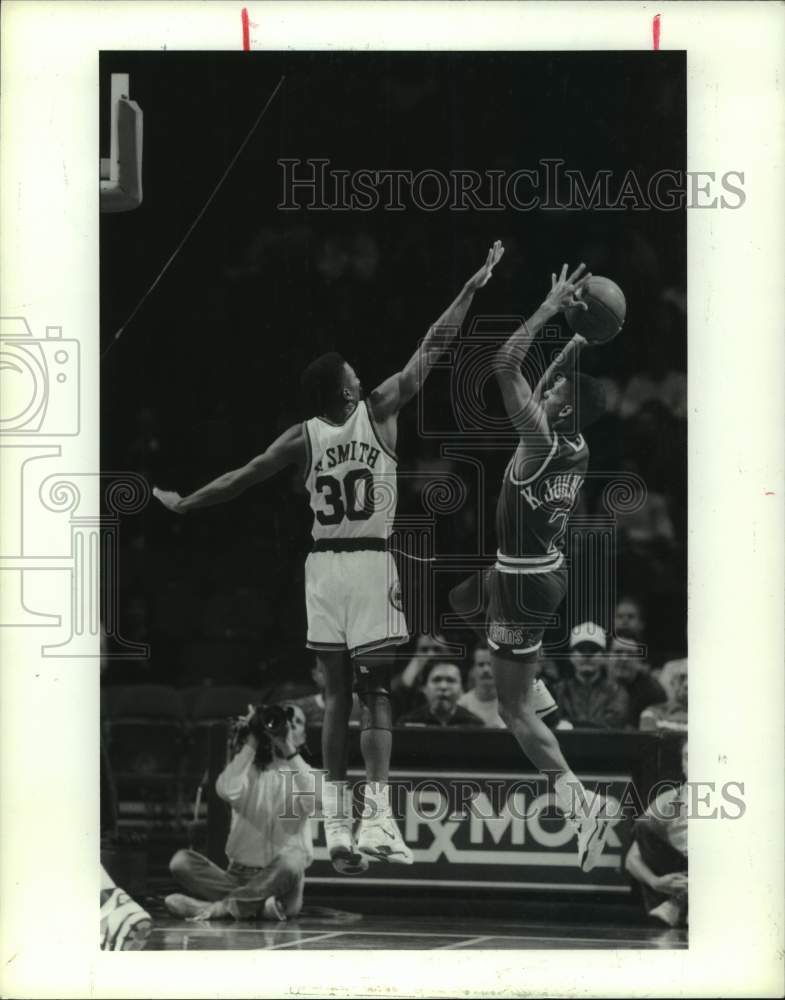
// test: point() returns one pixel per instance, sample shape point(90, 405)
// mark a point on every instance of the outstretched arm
point(520, 401)
point(288, 449)
point(563, 363)
point(397, 390)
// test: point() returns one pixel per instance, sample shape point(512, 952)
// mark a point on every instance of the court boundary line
point(462, 944)
point(462, 940)
point(293, 943)
point(622, 890)
point(460, 937)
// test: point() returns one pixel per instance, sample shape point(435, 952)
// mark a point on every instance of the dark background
point(207, 373)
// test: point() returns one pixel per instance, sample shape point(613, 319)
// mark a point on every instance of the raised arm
point(288, 449)
point(387, 398)
point(522, 403)
point(562, 364)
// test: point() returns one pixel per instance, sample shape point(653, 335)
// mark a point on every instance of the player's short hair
point(321, 383)
point(589, 400)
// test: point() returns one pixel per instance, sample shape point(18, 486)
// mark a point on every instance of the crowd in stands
point(606, 682)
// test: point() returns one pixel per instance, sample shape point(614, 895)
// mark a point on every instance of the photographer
point(269, 845)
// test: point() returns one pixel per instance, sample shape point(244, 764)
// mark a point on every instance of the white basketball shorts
point(353, 600)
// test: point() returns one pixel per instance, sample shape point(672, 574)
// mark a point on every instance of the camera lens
point(274, 718)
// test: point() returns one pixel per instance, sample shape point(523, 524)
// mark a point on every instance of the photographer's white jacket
point(267, 819)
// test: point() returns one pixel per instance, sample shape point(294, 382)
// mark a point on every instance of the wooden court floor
point(344, 931)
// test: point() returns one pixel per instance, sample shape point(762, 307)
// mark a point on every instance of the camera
point(269, 720)
point(40, 380)
point(265, 722)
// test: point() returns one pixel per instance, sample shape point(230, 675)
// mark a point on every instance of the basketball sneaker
point(343, 853)
point(381, 839)
point(337, 811)
point(125, 926)
point(592, 830)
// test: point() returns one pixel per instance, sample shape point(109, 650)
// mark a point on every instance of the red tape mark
point(655, 32)
point(247, 30)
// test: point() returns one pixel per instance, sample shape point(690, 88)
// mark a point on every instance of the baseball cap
point(588, 632)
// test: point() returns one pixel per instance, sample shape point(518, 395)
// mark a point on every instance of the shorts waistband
point(350, 545)
point(529, 564)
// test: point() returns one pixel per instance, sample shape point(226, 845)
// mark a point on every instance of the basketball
point(604, 318)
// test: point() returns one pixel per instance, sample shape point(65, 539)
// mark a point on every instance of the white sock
point(376, 800)
point(571, 797)
point(336, 800)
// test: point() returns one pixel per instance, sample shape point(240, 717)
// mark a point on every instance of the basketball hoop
point(121, 173)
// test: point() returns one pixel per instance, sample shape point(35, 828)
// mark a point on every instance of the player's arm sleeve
point(288, 449)
point(232, 782)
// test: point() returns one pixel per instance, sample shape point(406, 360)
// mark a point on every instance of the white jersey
point(351, 478)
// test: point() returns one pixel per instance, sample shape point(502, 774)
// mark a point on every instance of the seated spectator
point(589, 699)
point(313, 704)
point(406, 686)
point(633, 674)
point(657, 858)
point(269, 845)
point(628, 620)
point(481, 698)
point(442, 689)
point(672, 714)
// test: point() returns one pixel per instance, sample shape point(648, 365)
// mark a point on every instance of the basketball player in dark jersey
point(529, 579)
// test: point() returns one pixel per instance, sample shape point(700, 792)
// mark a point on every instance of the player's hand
point(567, 291)
point(483, 276)
point(171, 500)
point(669, 884)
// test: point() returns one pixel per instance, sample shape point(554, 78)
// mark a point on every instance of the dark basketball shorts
point(519, 608)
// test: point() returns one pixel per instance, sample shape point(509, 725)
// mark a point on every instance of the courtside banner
point(496, 831)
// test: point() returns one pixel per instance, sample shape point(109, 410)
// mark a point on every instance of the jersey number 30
point(343, 503)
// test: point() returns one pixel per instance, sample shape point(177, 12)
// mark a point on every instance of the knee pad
point(372, 680)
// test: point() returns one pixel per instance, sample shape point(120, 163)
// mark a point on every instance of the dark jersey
point(532, 513)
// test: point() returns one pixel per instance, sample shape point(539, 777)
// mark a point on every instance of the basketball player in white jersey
point(346, 453)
